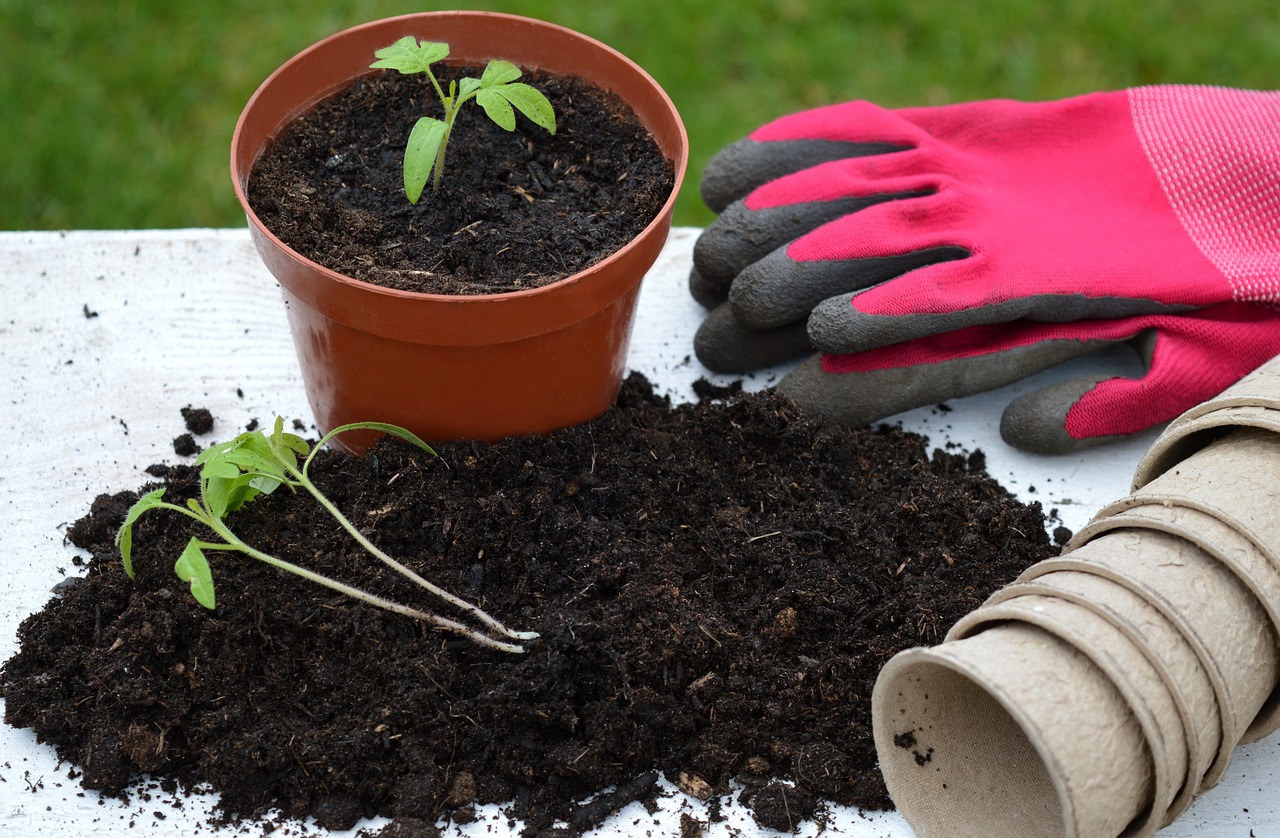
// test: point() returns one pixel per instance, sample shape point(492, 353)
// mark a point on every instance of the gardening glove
point(851, 228)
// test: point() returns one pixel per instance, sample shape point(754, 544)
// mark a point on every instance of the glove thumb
point(1037, 421)
point(1188, 359)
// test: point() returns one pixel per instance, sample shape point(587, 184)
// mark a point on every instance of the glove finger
point(741, 236)
point(707, 293)
point(791, 208)
point(778, 290)
point(723, 344)
point(869, 386)
point(959, 293)
point(903, 173)
point(933, 300)
point(858, 121)
point(741, 167)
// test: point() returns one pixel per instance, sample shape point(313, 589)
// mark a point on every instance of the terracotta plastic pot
point(447, 367)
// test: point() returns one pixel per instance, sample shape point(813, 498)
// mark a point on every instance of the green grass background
point(118, 114)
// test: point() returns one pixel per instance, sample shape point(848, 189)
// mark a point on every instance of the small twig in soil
point(594, 812)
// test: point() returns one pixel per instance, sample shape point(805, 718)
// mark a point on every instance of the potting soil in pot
point(515, 210)
point(716, 586)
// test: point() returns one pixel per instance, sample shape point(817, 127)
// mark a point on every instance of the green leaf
point(192, 567)
point(217, 450)
point(420, 155)
point(409, 56)
point(124, 535)
point(530, 102)
point(385, 427)
point(497, 108)
point(217, 495)
point(248, 466)
point(296, 444)
point(467, 88)
point(243, 491)
point(258, 462)
point(225, 496)
point(219, 468)
point(264, 484)
point(498, 72)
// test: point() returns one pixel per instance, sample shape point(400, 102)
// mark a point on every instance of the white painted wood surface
point(105, 336)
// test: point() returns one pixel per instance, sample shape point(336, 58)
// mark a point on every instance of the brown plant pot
point(449, 367)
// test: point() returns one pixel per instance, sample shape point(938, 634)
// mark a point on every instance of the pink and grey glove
point(931, 253)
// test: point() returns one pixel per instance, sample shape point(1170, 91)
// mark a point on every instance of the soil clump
point(716, 586)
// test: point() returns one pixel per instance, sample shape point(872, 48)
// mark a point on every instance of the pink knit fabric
point(1216, 154)
point(1166, 193)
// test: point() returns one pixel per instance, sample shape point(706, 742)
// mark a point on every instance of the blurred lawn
point(119, 114)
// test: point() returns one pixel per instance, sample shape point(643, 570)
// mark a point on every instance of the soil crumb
point(716, 586)
point(198, 419)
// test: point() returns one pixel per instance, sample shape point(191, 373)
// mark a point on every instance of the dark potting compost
point(515, 210)
point(716, 586)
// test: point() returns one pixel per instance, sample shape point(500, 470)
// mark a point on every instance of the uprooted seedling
point(256, 463)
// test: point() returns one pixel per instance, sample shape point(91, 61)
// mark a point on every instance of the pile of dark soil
point(716, 586)
point(515, 209)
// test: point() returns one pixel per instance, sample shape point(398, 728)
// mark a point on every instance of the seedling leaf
point(498, 109)
point(384, 427)
point(420, 155)
point(280, 446)
point(193, 568)
point(242, 490)
point(226, 495)
point(498, 72)
point(296, 444)
point(124, 535)
point(409, 56)
point(530, 102)
point(468, 87)
point(250, 461)
point(219, 468)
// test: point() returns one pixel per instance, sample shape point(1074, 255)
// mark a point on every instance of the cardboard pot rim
point(1191, 433)
point(328, 65)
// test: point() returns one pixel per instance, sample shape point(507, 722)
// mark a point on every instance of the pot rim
point(239, 177)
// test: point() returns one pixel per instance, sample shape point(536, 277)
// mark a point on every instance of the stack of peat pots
point(1101, 692)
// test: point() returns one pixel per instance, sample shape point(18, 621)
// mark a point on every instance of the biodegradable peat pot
point(983, 736)
point(1222, 538)
point(1180, 670)
point(1214, 610)
point(483, 366)
point(1126, 665)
